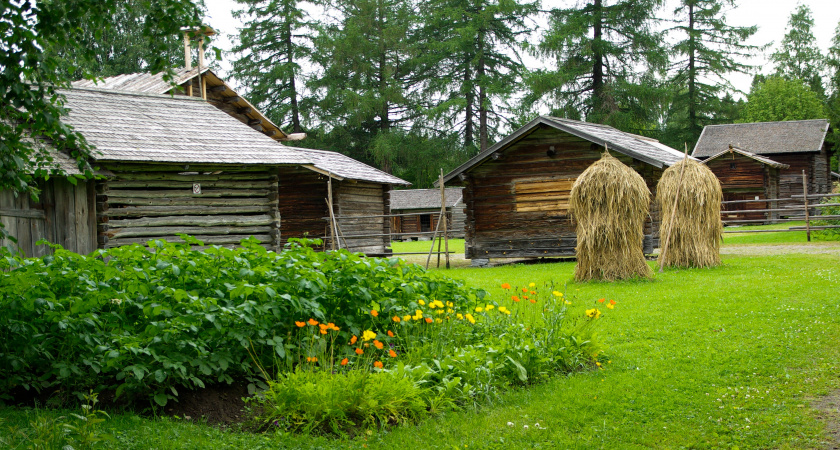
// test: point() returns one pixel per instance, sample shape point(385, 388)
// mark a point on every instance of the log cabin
point(169, 165)
point(798, 144)
point(422, 213)
point(746, 176)
point(516, 193)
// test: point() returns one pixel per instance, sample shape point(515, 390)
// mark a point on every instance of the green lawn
point(729, 357)
point(786, 237)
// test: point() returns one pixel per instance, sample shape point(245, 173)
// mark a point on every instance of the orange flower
point(392, 353)
point(300, 324)
point(378, 344)
point(600, 300)
point(525, 290)
point(344, 361)
point(612, 302)
point(525, 297)
point(313, 322)
point(515, 298)
point(532, 301)
point(359, 351)
point(374, 313)
point(353, 339)
point(533, 292)
point(505, 286)
point(323, 331)
point(429, 320)
point(390, 333)
point(377, 364)
point(396, 319)
point(311, 359)
point(331, 326)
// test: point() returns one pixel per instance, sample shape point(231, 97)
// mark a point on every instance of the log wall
point(517, 205)
point(815, 165)
point(63, 214)
point(302, 203)
point(216, 204)
point(359, 198)
point(743, 178)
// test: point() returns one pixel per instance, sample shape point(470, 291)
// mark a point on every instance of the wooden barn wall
point(815, 166)
point(743, 178)
point(302, 203)
point(141, 202)
point(403, 227)
point(532, 222)
point(459, 220)
point(64, 215)
point(359, 198)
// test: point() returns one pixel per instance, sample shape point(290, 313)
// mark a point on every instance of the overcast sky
point(771, 16)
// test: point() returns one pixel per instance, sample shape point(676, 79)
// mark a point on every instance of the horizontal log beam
point(169, 193)
point(200, 221)
point(141, 211)
point(188, 178)
point(23, 213)
point(209, 240)
point(190, 201)
point(120, 233)
point(205, 184)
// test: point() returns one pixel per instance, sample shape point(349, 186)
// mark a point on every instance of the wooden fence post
point(443, 217)
point(805, 197)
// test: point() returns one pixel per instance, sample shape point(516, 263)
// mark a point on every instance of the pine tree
point(798, 56)
point(832, 108)
point(273, 44)
point(471, 60)
point(599, 49)
point(708, 51)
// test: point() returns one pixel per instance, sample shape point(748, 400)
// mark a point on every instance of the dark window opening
point(732, 166)
point(426, 222)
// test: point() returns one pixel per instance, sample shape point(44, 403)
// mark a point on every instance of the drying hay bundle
point(610, 202)
point(697, 229)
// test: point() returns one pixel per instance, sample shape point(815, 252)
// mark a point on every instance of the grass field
point(737, 356)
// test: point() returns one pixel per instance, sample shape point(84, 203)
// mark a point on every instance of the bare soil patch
point(217, 405)
point(829, 412)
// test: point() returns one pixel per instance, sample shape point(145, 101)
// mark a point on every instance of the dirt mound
point(218, 405)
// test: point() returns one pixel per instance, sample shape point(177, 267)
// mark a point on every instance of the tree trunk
point(469, 97)
point(598, 58)
point(693, 126)
point(296, 128)
point(482, 94)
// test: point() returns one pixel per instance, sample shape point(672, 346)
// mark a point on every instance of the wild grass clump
point(609, 203)
point(697, 230)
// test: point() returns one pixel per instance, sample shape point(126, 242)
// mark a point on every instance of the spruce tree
point(471, 63)
point(604, 52)
point(273, 44)
point(708, 51)
point(832, 108)
point(798, 56)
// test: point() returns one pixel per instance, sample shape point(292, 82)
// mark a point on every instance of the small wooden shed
point(746, 176)
point(416, 213)
point(798, 144)
point(516, 192)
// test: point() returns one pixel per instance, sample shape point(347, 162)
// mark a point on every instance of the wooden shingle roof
point(763, 138)
point(344, 167)
point(424, 198)
point(136, 127)
point(644, 149)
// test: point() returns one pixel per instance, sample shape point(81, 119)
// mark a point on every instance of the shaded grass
point(701, 358)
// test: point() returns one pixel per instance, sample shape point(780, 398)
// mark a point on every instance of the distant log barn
point(416, 213)
point(516, 193)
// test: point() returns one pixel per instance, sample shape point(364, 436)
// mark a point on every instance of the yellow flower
point(610, 306)
point(449, 310)
point(557, 293)
point(504, 310)
point(368, 335)
point(568, 302)
point(438, 320)
point(532, 284)
point(438, 303)
point(421, 302)
point(439, 312)
point(450, 304)
point(470, 318)
point(489, 307)
point(479, 309)
point(593, 313)
point(460, 316)
point(407, 317)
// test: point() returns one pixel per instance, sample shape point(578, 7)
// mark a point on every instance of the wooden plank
point(22, 213)
point(188, 178)
point(140, 211)
point(188, 201)
point(208, 184)
point(120, 233)
point(200, 221)
point(81, 217)
point(169, 193)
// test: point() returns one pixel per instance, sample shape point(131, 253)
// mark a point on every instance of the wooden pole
point(443, 218)
point(805, 197)
point(432, 249)
point(439, 242)
point(333, 231)
point(673, 213)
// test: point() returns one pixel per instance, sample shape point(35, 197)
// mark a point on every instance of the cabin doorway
point(426, 222)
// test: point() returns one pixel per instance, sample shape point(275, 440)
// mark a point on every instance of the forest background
point(413, 86)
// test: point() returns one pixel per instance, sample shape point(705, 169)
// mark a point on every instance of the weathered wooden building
point(746, 176)
point(516, 192)
point(176, 164)
point(422, 207)
point(360, 202)
point(799, 144)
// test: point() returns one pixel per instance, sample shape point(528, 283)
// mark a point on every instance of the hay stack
point(610, 203)
point(697, 230)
